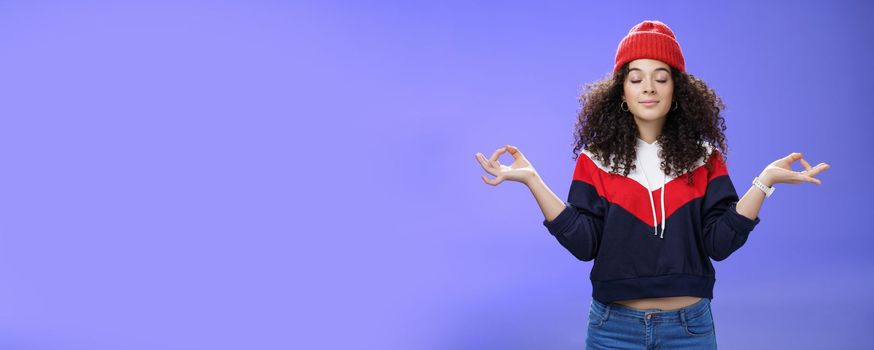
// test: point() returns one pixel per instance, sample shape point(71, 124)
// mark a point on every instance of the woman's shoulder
point(590, 160)
point(712, 155)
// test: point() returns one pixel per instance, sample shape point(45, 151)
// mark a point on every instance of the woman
point(650, 201)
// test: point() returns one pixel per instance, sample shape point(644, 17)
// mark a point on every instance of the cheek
point(668, 95)
point(669, 91)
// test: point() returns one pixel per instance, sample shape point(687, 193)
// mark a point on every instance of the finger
point(498, 153)
point(493, 182)
point(488, 166)
point(805, 178)
point(486, 179)
point(805, 164)
point(816, 170)
point(813, 180)
point(483, 161)
point(517, 154)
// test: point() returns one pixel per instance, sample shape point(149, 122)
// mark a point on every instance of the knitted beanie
point(650, 39)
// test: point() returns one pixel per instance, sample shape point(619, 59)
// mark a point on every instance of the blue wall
point(273, 175)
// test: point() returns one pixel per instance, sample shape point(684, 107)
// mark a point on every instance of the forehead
point(648, 65)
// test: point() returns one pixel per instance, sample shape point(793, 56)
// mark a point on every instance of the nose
point(649, 87)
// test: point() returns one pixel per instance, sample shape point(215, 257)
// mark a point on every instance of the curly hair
point(610, 133)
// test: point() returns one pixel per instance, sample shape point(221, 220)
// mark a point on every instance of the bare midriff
point(663, 303)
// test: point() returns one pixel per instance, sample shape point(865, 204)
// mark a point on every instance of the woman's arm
point(522, 171)
point(780, 171)
point(550, 204)
point(751, 202)
point(576, 223)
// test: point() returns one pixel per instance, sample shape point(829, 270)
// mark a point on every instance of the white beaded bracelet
point(761, 186)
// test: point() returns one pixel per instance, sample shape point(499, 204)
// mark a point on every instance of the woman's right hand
point(520, 170)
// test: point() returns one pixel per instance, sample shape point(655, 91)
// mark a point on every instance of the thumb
point(788, 160)
point(794, 156)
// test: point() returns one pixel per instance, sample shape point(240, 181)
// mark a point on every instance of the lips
point(649, 103)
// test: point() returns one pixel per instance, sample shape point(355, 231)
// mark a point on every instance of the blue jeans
point(616, 326)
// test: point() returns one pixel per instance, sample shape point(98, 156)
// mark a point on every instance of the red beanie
point(650, 39)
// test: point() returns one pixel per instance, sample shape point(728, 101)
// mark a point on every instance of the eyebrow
point(657, 69)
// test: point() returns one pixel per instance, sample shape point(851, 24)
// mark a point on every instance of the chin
point(651, 116)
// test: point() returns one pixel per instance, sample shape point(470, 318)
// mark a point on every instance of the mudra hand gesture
point(780, 171)
point(520, 170)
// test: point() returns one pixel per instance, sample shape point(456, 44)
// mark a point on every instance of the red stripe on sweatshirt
point(628, 193)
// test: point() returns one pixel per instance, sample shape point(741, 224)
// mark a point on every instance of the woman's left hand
point(780, 171)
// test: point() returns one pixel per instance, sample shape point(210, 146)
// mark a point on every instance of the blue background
point(275, 175)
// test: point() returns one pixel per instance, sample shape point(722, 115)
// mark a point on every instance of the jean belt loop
point(607, 311)
point(683, 316)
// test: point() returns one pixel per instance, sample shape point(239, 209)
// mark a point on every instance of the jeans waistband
point(683, 313)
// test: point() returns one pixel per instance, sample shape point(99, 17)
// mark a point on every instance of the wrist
point(766, 188)
point(532, 179)
point(765, 179)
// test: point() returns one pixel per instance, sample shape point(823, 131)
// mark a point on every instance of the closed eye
point(637, 81)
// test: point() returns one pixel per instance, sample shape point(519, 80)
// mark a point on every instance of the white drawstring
point(652, 201)
point(664, 219)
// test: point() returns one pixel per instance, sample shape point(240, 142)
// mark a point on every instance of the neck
point(649, 130)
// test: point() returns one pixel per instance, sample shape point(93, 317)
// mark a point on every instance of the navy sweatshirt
point(651, 235)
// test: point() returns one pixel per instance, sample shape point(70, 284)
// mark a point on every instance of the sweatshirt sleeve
point(579, 226)
point(725, 230)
